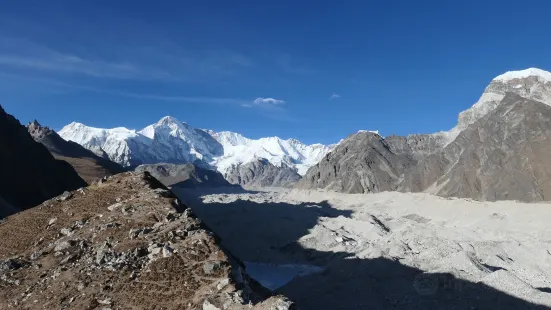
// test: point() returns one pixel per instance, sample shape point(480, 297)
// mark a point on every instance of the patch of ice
point(275, 276)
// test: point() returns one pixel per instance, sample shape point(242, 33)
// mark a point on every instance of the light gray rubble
point(389, 250)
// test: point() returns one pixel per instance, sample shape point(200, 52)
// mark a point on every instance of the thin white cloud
point(334, 96)
point(267, 101)
point(149, 63)
point(152, 97)
point(27, 55)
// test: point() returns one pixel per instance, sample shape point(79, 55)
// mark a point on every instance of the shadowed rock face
point(503, 155)
point(262, 173)
point(30, 174)
point(89, 165)
point(188, 175)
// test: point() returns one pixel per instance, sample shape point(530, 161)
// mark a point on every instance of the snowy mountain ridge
point(172, 141)
point(531, 83)
point(239, 150)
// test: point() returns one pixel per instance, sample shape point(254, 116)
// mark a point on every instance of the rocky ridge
point(30, 174)
point(172, 141)
point(495, 152)
point(262, 173)
point(123, 243)
point(89, 165)
point(187, 176)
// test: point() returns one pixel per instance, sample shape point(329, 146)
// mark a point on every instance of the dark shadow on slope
point(268, 233)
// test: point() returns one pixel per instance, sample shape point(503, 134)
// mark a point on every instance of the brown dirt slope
point(123, 243)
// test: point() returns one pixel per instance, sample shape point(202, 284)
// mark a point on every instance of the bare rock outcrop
point(186, 176)
point(261, 173)
point(362, 163)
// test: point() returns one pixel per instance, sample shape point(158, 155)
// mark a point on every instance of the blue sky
point(288, 68)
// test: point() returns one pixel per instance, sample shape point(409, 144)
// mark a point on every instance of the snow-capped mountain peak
point(293, 153)
point(522, 74)
point(229, 138)
point(531, 83)
point(172, 141)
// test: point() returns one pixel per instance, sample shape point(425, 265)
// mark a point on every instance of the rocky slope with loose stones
point(123, 243)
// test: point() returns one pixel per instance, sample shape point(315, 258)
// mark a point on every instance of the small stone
point(211, 267)
point(69, 259)
point(167, 251)
point(114, 207)
point(35, 255)
point(64, 245)
point(65, 196)
point(223, 283)
point(106, 301)
point(187, 212)
point(52, 221)
point(139, 232)
point(66, 231)
point(156, 251)
point(282, 303)
point(207, 305)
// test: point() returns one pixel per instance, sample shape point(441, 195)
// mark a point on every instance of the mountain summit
point(497, 151)
point(531, 83)
point(172, 141)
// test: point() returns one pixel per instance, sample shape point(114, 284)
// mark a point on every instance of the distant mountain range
point(172, 141)
point(478, 158)
point(499, 150)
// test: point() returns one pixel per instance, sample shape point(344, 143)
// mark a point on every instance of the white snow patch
point(511, 75)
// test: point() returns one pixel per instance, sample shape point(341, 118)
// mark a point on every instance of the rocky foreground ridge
point(123, 243)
